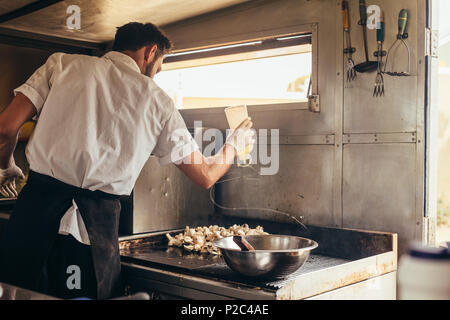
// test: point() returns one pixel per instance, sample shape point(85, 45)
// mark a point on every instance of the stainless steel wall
point(371, 176)
point(164, 198)
point(17, 64)
point(383, 154)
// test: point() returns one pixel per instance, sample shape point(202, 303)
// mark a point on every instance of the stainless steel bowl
point(274, 257)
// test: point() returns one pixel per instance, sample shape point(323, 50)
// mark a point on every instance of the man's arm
point(207, 171)
point(19, 111)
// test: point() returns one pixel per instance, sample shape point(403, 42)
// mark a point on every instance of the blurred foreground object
point(424, 273)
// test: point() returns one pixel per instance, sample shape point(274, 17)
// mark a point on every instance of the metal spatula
point(366, 66)
point(243, 243)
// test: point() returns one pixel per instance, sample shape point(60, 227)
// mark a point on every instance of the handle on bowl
point(243, 243)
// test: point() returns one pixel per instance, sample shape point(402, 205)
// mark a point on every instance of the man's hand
point(206, 172)
point(7, 180)
point(19, 111)
point(242, 136)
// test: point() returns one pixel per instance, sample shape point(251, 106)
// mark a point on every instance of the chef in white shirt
point(98, 121)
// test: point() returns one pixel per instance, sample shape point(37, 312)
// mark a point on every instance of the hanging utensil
point(401, 36)
point(378, 89)
point(366, 66)
point(349, 50)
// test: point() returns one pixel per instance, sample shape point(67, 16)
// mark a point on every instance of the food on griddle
point(124, 245)
point(200, 239)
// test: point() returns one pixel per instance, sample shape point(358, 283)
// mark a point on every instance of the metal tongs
point(349, 50)
point(401, 36)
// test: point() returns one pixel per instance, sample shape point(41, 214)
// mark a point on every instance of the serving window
point(275, 72)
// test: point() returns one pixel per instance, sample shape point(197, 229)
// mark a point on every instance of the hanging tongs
point(401, 36)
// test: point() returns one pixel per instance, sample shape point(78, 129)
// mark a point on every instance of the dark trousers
point(30, 238)
point(69, 270)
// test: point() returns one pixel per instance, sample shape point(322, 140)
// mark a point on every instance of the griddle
point(154, 252)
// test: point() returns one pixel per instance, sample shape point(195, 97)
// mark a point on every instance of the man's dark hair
point(134, 35)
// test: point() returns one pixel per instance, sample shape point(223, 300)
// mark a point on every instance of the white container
point(424, 274)
point(235, 115)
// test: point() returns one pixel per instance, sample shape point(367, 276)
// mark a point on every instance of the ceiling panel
point(99, 18)
point(7, 6)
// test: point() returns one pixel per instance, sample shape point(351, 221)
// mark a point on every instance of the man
point(99, 119)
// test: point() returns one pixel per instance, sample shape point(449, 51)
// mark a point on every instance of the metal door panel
point(391, 113)
point(379, 189)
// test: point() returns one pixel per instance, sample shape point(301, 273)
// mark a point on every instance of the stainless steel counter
point(348, 264)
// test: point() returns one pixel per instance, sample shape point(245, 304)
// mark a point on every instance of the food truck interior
point(348, 117)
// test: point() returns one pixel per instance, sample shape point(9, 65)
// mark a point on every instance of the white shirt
point(99, 119)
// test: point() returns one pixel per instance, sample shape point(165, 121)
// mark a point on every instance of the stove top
point(344, 257)
point(214, 267)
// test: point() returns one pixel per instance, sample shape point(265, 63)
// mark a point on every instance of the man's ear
point(150, 52)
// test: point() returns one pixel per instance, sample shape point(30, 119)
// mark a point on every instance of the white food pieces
point(200, 239)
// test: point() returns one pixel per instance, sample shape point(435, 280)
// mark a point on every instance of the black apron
point(34, 225)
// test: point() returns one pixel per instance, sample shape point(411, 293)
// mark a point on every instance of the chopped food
point(130, 243)
point(200, 239)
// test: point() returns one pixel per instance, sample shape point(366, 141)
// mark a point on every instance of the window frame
point(311, 29)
